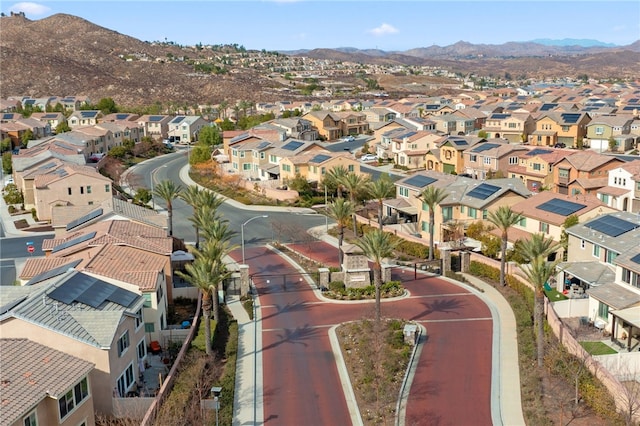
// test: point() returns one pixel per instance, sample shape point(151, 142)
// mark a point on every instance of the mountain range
point(67, 55)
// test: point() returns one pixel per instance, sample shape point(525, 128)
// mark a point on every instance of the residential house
point(571, 175)
point(65, 184)
point(83, 118)
point(296, 128)
point(383, 135)
point(535, 167)
point(275, 153)
point(185, 128)
point(623, 188)
point(98, 139)
point(43, 152)
point(604, 259)
point(605, 127)
point(547, 212)
point(379, 115)
point(479, 118)
point(10, 117)
point(334, 125)
point(566, 128)
point(490, 159)
point(514, 127)
point(448, 156)
point(44, 386)
point(313, 165)
point(52, 118)
point(120, 116)
point(409, 148)
point(451, 124)
point(122, 130)
point(155, 126)
point(87, 318)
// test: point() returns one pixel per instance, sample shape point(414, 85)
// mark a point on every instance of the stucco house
point(82, 118)
point(491, 158)
point(185, 128)
point(623, 188)
point(560, 128)
point(535, 167)
point(571, 175)
point(514, 127)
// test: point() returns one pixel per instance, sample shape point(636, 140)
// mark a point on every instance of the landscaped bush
point(336, 286)
point(413, 249)
point(11, 209)
point(12, 194)
point(337, 290)
point(247, 304)
point(199, 341)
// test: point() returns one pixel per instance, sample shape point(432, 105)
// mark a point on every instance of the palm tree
point(432, 196)
point(334, 177)
point(340, 210)
point(503, 219)
point(197, 199)
point(380, 190)
point(536, 250)
point(198, 274)
point(213, 253)
point(191, 196)
point(377, 245)
point(222, 106)
point(355, 185)
point(168, 191)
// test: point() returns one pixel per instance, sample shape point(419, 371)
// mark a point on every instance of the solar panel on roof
point(570, 118)
point(48, 166)
point(293, 145)
point(155, 118)
point(538, 151)
point(499, 116)
point(320, 158)
point(484, 147)
point(87, 114)
point(79, 221)
point(7, 116)
point(122, 297)
point(121, 116)
point(91, 291)
point(53, 272)
point(548, 107)
point(177, 120)
point(74, 241)
point(460, 142)
point(611, 225)
point(483, 191)
point(263, 145)
point(636, 259)
point(633, 100)
point(631, 107)
point(561, 207)
point(419, 181)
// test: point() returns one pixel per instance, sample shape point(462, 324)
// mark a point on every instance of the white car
point(348, 139)
point(369, 157)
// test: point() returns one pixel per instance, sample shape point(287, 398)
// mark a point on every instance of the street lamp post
point(153, 174)
point(242, 231)
point(215, 392)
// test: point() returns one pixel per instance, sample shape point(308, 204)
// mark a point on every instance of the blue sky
point(388, 25)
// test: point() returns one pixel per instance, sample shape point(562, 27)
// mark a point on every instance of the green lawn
point(598, 348)
point(554, 295)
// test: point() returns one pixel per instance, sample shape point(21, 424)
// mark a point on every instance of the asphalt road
point(279, 226)
point(14, 250)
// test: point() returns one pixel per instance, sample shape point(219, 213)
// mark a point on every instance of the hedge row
point(337, 290)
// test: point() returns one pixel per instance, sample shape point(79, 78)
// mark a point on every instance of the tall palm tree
point(380, 190)
point(334, 177)
point(377, 245)
point(536, 250)
point(191, 196)
point(222, 106)
point(168, 191)
point(503, 219)
point(197, 199)
point(355, 185)
point(432, 197)
point(198, 273)
point(340, 210)
point(213, 254)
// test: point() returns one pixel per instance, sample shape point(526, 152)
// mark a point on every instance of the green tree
point(380, 190)
point(612, 144)
point(564, 237)
point(431, 197)
point(355, 185)
point(168, 191)
point(6, 163)
point(377, 245)
point(340, 210)
point(503, 218)
point(199, 154)
point(107, 106)
point(192, 195)
point(210, 136)
point(483, 134)
point(6, 145)
point(118, 152)
point(333, 179)
point(63, 127)
point(26, 137)
point(538, 271)
point(142, 196)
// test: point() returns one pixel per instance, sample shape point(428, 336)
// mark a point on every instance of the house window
point(241, 154)
point(447, 213)
point(404, 192)
point(31, 419)
point(537, 166)
point(262, 156)
point(246, 166)
point(69, 191)
point(513, 160)
point(147, 300)
point(351, 168)
point(605, 198)
point(72, 398)
point(626, 275)
point(123, 343)
point(472, 212)
point(565, 128)
point(149, 327)
point(473, 158)
point(523, 221)
point(159, 294)
point(88, 189)
point(90, 203)
point(485, 213)
point(273, 159)
point(425, 207)
point(107, 188)
point(563, 173)
point(582, 244)
point(462, 209)
point(487, 160)
point(603, 311)
point(424, 226)
point(125, 381)
point(142, 349)
point(234, 152)
point(82, 189)
point(286, 167)
point(323, 170)
point(544, 228)
point(611, 256)
point(138, 319)
point(599, 130)
point(575, 191)
point(596, 251)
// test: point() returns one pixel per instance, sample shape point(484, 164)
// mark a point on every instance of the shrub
point(11, 209)
point(34, 214)
point(247, 304)
point(337, 286)
point(198, 341)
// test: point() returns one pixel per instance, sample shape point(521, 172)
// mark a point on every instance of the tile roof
point(529, 207)
point(37, 265)
point(588, 160)
point(32, 372)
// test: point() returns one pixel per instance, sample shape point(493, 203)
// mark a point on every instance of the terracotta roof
point(513, 235)
point(588, 183)
point(37, 265)
point(613, 190)
point(588, 160)
point(128, 264)
point(32, 372)
point(529, 207)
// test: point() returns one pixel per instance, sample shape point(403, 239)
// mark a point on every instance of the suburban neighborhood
point(91, 326)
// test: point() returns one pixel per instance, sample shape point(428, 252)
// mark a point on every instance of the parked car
point(369, 157)
point(560, 145)
point(348, 139)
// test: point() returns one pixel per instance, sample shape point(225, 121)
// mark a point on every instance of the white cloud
point(618, 28)
point(383, 29)
point(30, 8)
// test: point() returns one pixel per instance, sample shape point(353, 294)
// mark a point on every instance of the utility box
point(410, 332)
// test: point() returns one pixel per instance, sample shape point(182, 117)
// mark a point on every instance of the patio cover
point(402, 205)
point(629, 315)
point(615, 296)
point(181, 256)
point(594, 273)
